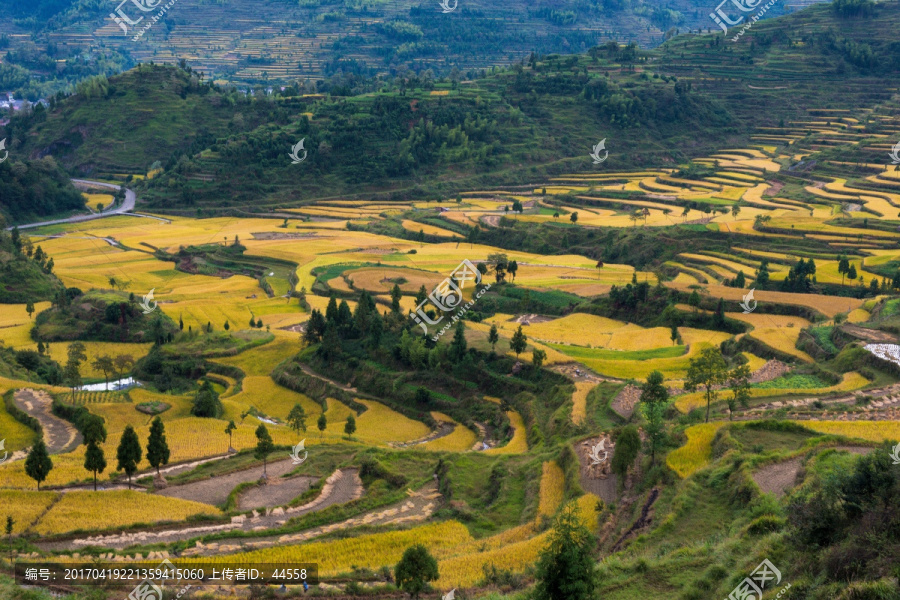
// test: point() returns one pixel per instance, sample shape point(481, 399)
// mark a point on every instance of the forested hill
point(31, 189)
point(50, 44)
point(425, 137)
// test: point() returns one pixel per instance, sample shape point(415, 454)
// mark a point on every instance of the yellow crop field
point(17, 435)
point(371, 551)
point(552, 488)
point(24, 507)
point(696, 452)
point(511, 554)
point(874, 431)
point(579, 401)
point(519, 442)
point(461, 440)
point(59, 350)
point(271, 399)
point(121, 508)
point(428, 229)
point(851, 381)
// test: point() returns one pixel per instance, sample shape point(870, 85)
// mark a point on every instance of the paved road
point(126, 207)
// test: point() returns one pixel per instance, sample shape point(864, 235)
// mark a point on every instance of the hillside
point(433, 138)
point(266, 42)
point(26, 271)
point(31, 189)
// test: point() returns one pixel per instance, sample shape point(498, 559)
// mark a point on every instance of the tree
point(735, 210)
point(599, 267)
point(297, 419)
point(851, 273)
point(128, 454)
point(628, 444)
point(694, 300)
point(206, 402)
point(519, 342)
point(762, 273)
point(104, 364)
point(264, 446)
point(740, 281)
point(654, 401)
point(565, 569)
point(416, 568)
point(493, 336)
point(122, 364)
point(739, 384)
point(29, 308)
point(227, 326)
point(706, 370)
point(512, 267)
point(396, 294)
point(38, 464)
point(9, 524)
point(538, 357)
point(230, 429)
point(423, 396)
point(322, 423)
point(843, 267)
point(458, 346)
point(93, 430)
point(574, 218)
point(157, 447)
point(350, 426)
point(94, 460)
point(673, 334)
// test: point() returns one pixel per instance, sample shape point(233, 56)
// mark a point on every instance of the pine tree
point(519, 342)
point(94, 460)
point(493, 336)
point(157, 448)
point(458, 346)
point(264, 446)
point(128, 454)
point(38, 464)
point(350, 426)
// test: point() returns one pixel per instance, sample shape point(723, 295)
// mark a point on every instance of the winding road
point(126, 207)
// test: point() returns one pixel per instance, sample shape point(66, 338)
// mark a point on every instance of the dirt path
point(341, 487)
point(444, 429)
point(215, 490)
point(59, 435)
point(778, 478)
point(883, 406)
point(418, 507)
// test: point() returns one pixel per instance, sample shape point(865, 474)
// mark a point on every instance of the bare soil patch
point(278, 492)
point(59, 435)
point(625, 401)
point(215, 491)
point(778, 478)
